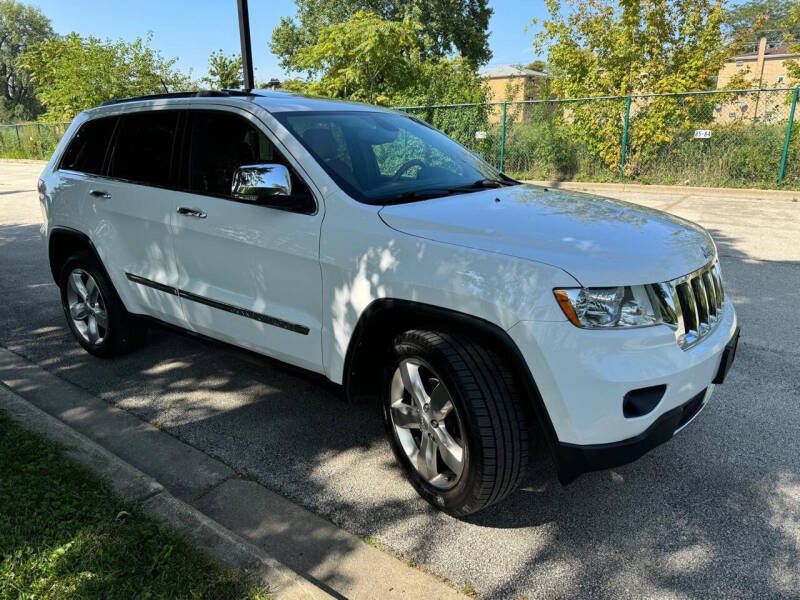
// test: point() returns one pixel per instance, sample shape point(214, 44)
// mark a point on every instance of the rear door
point(79, 169)
point(248, 274)
point(134, 202)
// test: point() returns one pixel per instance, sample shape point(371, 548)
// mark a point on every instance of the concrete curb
point(599, 188)
point(283, 533)
point(138, 488)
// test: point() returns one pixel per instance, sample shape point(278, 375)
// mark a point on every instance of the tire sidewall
point(456, 501)
point(87, 263)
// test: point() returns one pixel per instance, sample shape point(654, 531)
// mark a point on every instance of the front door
point(248, 274)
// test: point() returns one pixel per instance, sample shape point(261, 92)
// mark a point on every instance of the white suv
point(363, 244)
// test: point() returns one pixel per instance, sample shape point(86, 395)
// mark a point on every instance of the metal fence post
point(19, 141)
point(503, 138)
point(625, 138)
point(39, 135)
point(788, 137)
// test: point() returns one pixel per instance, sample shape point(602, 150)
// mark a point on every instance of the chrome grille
point(692, 305)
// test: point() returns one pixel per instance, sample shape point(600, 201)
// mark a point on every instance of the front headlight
point(610, 307)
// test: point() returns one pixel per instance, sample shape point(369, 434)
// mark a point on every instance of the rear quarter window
point(87, 150)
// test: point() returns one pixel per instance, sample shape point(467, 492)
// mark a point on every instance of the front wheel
point(455, 421)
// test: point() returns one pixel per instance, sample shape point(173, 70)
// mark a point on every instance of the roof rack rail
point(195, 94)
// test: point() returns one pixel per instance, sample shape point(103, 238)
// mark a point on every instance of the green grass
point(64, 534)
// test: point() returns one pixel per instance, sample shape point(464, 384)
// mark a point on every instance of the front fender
point(385, 263)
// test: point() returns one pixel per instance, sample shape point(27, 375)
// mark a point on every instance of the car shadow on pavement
point(713, 512)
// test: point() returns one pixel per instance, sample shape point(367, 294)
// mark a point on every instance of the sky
point(191, 29)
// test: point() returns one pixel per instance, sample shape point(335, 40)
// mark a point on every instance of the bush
point(30, 140)
point(551, 149)
point(541, 151)
point(737, 155)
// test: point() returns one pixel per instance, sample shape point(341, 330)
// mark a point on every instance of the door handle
point(192, 212)
point(100, 194)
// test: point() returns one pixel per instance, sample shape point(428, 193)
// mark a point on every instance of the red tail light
point(40, 185)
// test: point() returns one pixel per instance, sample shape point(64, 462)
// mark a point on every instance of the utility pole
point(247, 52)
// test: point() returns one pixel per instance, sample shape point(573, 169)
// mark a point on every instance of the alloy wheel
point(86, 306)
point(427, 424)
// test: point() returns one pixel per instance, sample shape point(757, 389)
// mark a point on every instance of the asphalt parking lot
point(713, 513)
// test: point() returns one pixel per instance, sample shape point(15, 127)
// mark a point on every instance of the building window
point(739, 63)
point(781, 79)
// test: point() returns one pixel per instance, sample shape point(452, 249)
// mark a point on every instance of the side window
point(142, 149)
point(87, 150)
point(326, 142)
point(221, 142)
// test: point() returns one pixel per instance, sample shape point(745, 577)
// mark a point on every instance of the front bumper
point(583, 376)
point(573, 460)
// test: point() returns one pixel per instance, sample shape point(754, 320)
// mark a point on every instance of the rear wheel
point(455, 421)
point(94, 312)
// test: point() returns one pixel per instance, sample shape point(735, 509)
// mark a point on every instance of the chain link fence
point(30, 140)
point(721, 138)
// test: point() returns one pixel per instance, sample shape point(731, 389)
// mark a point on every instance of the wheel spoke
point(92, 331)
point(426, 459)
point(76, 283)
point(78, 311)
point(441, 402)
point(102, 318)
point(427, 425)
point(452, 453)
point(413, 383)
point(92, 290)
point(405, 415)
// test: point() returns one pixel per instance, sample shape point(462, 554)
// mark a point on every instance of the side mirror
point(256, 183)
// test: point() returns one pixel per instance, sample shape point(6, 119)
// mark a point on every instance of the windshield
point(385, 158)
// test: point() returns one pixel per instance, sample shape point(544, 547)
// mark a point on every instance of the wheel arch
point(385, 318)
point(62, 243)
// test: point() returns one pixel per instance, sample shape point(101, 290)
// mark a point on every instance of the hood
point(599, 241)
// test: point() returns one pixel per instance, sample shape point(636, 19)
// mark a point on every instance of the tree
point(365, 59)
point(606, 48)
point(369, 59)
point(225, 72)
point(792, 24)
point(447, 26)
point(21, 27)
point(537, 65)
point(755, 19)
point(75, 73)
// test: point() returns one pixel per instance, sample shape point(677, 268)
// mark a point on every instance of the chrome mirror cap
point(255, 182)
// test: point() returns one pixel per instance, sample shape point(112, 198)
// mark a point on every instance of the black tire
point(490, 414)
point(123, 331)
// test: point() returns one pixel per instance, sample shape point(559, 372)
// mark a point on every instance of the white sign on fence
point(702, 134)
point(480, 135)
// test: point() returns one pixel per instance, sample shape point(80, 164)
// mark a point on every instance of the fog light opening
point(638, 403)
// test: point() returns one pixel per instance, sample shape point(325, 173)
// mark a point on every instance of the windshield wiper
point(425, 194)
point(482, 184)
point(413, 196)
